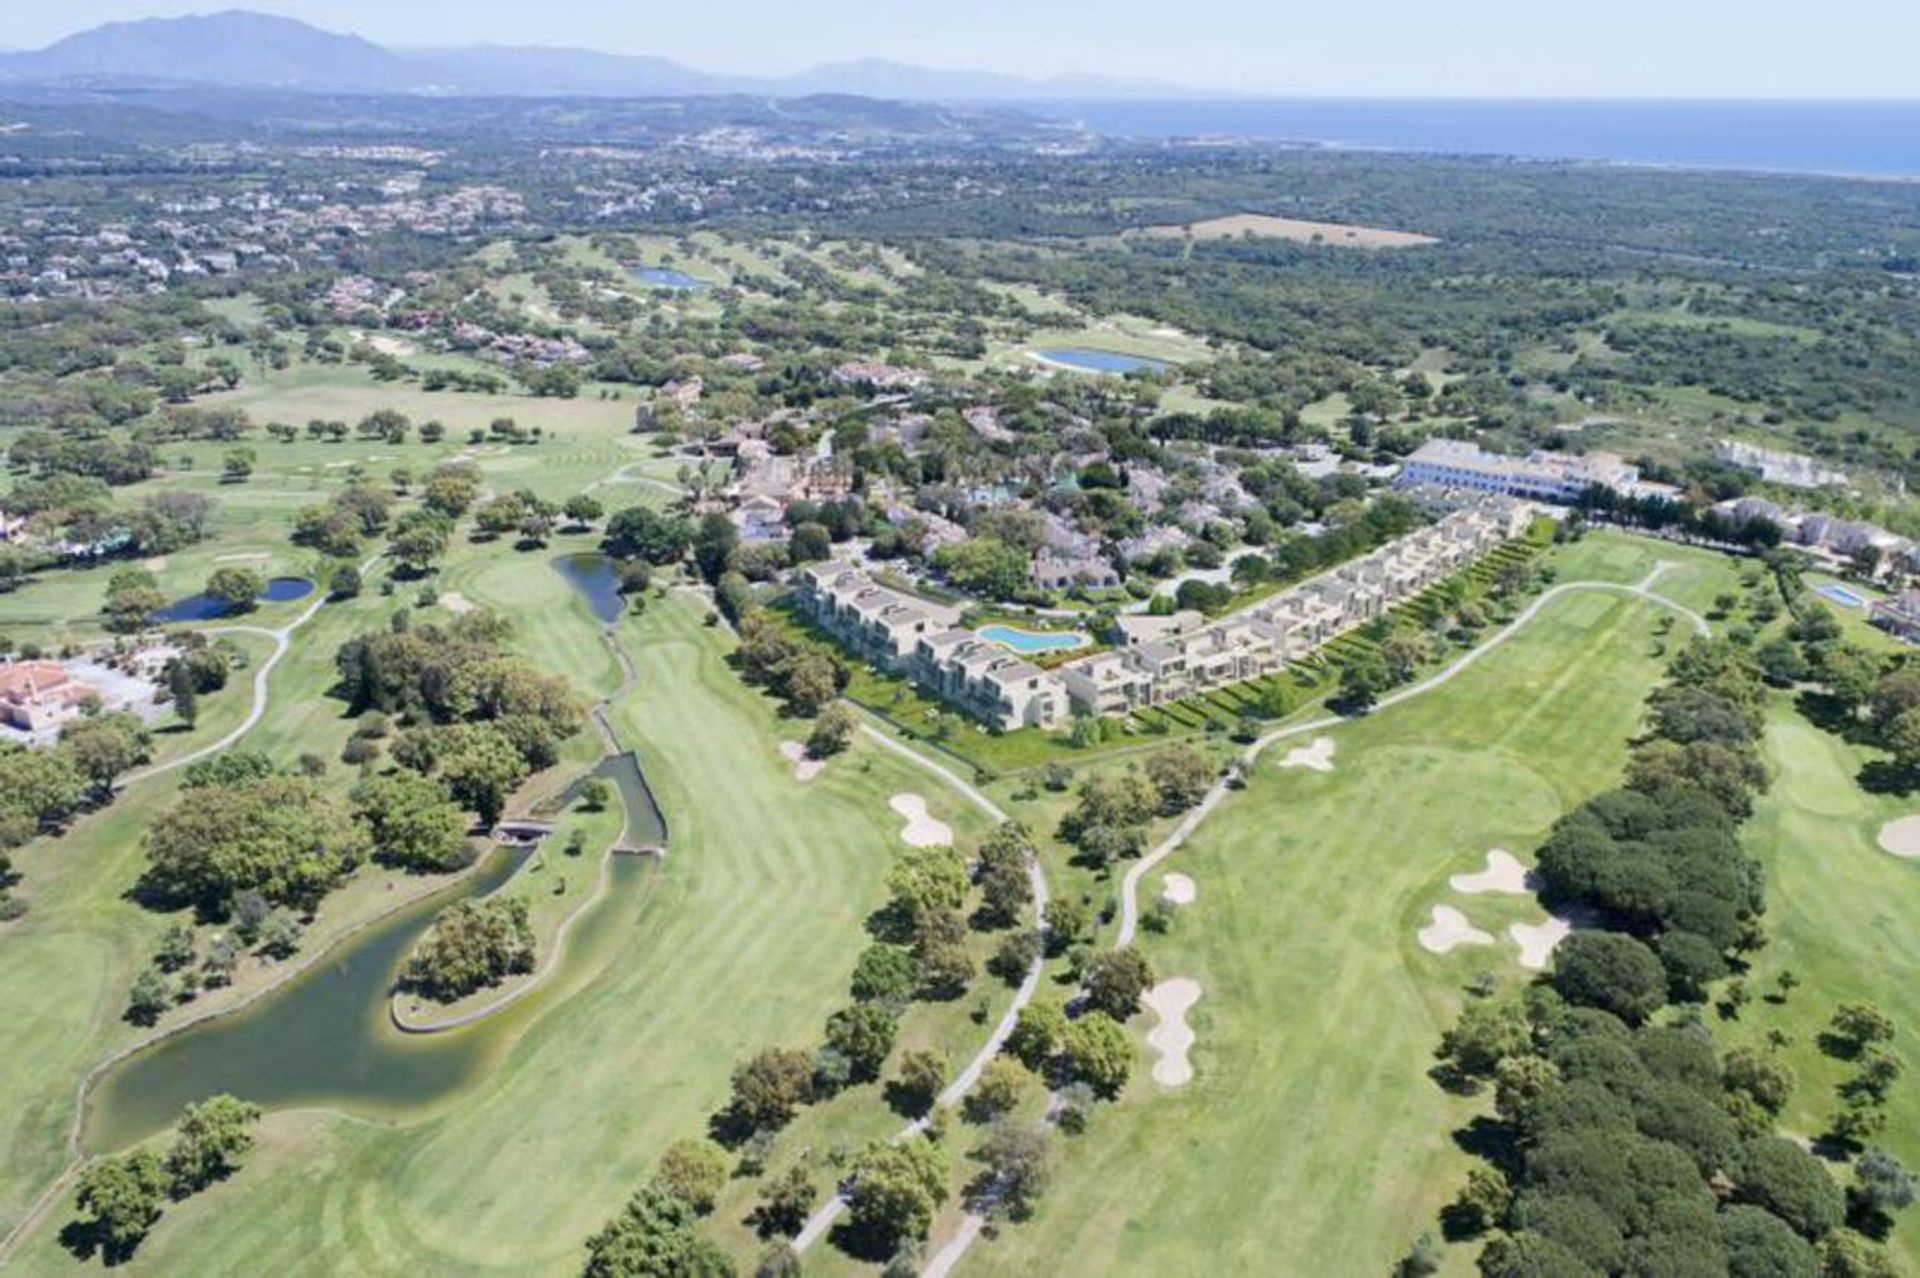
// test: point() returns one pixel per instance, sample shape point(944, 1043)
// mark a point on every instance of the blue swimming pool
point(1840, 595)
point(1088, 360)
point(1030, 642)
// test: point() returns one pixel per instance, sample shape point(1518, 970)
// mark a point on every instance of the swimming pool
point(1840, 595)
point(1029, 642)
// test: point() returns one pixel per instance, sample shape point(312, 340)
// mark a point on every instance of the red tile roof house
point(37, 695)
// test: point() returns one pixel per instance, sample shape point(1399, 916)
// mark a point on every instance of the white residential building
point(1539, 476)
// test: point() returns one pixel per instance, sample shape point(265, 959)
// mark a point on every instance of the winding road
point(956, 1091)
point(974, 1223)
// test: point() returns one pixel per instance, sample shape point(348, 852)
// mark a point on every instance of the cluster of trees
point(120, 1198)
point(1109, 822)
point(478, 719)
point(282, 837)
point(1628, 1144)
point(804, 673)
point(472, 945)
point(41, 789)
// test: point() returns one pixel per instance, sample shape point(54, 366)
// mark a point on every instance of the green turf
point(1311, 1140)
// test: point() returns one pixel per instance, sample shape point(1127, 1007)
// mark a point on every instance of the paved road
point(956, 1091)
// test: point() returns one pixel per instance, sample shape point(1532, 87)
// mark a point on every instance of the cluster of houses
point(1164, 659)
point(1790, 470)
point(1830, 540)
point(1458, 465)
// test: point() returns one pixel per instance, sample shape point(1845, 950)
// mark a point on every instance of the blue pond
point(592, 575)
point(1841, 595)
point(204, 607)
point(1030, 642)
point(667, 277)
point(1089, 360)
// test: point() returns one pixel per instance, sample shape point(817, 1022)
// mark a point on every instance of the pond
point(668, 278)
point(325, 1038)
point(1089, 360)
point(593, 575)
point(204, 607)
point(1029, 642)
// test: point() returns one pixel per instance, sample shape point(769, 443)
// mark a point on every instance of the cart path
point(823, 1219)
point(974, 1223)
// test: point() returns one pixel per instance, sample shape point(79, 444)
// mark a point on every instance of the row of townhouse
point(922, 640)
point(1265, 637)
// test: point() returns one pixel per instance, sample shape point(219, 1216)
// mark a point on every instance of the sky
point(1352, 48)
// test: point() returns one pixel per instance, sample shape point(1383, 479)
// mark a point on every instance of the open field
point(1267, 227)
point(1310, 1140)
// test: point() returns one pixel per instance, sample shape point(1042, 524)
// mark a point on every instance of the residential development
point(1455, 464)
point(923, 641)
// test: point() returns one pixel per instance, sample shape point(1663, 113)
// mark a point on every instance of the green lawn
point(1844, 917)
point(1311, 1140)
point(744, 939)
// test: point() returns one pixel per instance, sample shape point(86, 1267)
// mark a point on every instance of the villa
point(1899, 615)
point(38, 696)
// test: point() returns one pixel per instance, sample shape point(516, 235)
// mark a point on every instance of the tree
point(811, 681)
point(1115, 980)
point(1858, 1025)
point(344, 582)
point(1363, 678)
point(412, 822)
point(1488, 1033)
point(1039, 1031)
point(1881, 1186)
point(769, 1086)
point(694, 1171)
point(236, 589)
point(1846, 1254)
point(480, 766)
point(581, 510)
point(152, 994)
point(1611, 971)
point(832, 731)
point(1181, 775)
point(928, 881)
point(886, 973)
point(785, 1202)
point(1760, 1243)
point(863, 1033)
point(209, 1142)
point(639, 532)
point(120, 1199)
point(281, 836)
point(923, 1076)
point(896, 1188)
point(595, 794)
point(1017, 1158)
point(1763, 1077)
point(1774, 1173)
point(998, 1090)
point(654, 1236)
point(1098, 1052)
point(104, 747)
point(132, 597)
point(472, 945)
point(1483, 1201)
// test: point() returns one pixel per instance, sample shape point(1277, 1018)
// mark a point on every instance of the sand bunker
point(1449, 929)
point(454, 601)
point(1504, 873)
point(1171, 1037)
point(154, 564)
point(921, 830)
point(804, 768)
point(1902, 837)
point(1537, 941)
point(1318, 756)
point(240, 555)
point(1177, 889)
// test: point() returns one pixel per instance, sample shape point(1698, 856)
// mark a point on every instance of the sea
point(1878, 139)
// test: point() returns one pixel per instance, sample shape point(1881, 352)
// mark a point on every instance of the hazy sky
point(1679, 48)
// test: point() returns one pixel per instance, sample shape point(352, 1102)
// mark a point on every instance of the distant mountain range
point(244, 49)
